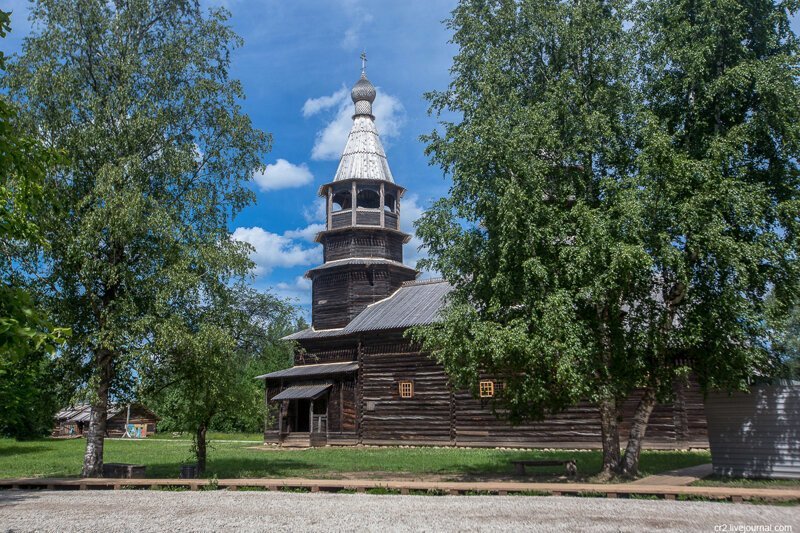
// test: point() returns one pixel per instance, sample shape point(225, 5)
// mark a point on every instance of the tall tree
point(26, 337)
point(565, 233)
point(785, 340)
point(719, 169)
point(541, 233)
point(137, 95)
point(207, 352)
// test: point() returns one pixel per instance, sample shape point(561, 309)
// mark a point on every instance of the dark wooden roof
point(302, 392)
point(82, 412)
point(416, 303)
point(365, 261)
point(308, 371)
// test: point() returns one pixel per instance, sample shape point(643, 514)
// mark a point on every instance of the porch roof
point(308, 371)
point(302, 392)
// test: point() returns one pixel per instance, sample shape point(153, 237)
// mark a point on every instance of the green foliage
point(720, 140)
point(786, 342)
point(26, 337)
point(27, 399)
point(200, 374)
point(625, 195)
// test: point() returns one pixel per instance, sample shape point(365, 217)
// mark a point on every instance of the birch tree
point(624, 195)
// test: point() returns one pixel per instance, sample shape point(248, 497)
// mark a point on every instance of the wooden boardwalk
point(682, 476)
point(735, 494)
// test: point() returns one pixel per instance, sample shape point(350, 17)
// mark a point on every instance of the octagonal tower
point(362, 241)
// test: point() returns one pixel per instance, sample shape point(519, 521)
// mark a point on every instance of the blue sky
point(299, 60)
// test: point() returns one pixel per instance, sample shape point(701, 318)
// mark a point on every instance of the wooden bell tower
point(362, 241)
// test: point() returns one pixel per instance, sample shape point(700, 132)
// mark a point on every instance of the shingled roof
point(415, 303)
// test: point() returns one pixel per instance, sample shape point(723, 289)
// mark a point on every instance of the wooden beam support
point(382, 206)
point(353, 203)
point(329, 208)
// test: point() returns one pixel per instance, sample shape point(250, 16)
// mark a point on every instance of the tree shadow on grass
point(240, 467)
point(7, 451)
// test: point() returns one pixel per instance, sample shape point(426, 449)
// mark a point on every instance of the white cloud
point(410, 212)
point(358, 17)
point(276, 251)
point(283, 175)
point(307, 234)
point(329, 143)
point(315, 212)
point(315, 105)
point(298, 290)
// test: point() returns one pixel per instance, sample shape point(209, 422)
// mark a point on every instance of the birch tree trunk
point(629, 466)
point(609, 428)
point(95, 437)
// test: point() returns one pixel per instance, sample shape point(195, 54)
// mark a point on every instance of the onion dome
point(363, 93)
point(363, 90)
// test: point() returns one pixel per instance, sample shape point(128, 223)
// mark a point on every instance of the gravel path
point(279, 511)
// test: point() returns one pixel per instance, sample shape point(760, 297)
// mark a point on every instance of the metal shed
point(756, 435)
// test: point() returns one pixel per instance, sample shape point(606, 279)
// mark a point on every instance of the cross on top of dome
point(363, 93)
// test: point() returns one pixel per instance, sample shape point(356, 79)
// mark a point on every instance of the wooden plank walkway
point(681, 476)
point(735, 494)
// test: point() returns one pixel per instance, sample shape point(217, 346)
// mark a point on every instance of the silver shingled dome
point(363, 90)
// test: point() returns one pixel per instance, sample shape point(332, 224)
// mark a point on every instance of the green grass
point(212, 435)
point(720, 481)
point(163, 457)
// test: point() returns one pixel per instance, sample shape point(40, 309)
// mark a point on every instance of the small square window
point(486, 389)
point(406, 389)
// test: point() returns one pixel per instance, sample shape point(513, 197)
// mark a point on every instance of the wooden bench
point(571, 465)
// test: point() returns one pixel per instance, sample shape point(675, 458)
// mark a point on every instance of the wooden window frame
point(486, 388)
point(406, 389)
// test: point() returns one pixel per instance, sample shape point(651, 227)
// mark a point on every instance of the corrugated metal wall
point(756, 434)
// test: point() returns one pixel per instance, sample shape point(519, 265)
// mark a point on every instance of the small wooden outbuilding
point(136, 419)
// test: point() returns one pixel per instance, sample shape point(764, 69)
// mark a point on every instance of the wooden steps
point(296, 440)
point(618, 490)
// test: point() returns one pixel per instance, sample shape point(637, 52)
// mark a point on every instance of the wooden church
point(357, 380)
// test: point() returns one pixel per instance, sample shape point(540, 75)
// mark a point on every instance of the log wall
point(115, 427)
point(360, 243)
point(386, 416)
point(339, 294)
point(437, 414)
point(367, 407)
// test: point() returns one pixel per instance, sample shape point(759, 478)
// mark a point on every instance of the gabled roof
point(82, 412)
point(415, 303)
